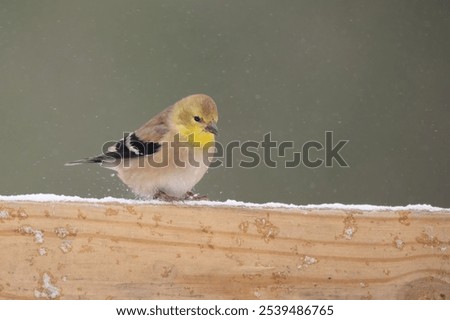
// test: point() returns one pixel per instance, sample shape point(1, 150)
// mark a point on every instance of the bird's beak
point(212, 127)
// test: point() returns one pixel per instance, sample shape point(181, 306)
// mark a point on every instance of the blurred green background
point(74, 74)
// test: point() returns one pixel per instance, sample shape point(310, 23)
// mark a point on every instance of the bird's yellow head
point(195, 118)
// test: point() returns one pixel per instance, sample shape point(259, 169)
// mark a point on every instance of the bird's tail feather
point(98, 159)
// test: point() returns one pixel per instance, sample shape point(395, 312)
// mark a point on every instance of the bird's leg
point(194, 196)
point(160, 195)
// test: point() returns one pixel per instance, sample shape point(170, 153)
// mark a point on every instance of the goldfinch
point(167, 156)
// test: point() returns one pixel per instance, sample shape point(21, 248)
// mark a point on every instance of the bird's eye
point(197, 118)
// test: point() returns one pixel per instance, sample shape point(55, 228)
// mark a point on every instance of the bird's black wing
point(131, 147)
point(128, 147)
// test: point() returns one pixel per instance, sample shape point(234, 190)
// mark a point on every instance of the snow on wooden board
point(40, 197)
point(59, 247)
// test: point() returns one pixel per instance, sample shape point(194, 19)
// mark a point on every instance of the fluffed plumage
point(169, 154)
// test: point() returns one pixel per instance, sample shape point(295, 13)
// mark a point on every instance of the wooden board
point(117, 251)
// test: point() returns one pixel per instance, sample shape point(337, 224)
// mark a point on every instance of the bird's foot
point(160, 195)
point(194, 196)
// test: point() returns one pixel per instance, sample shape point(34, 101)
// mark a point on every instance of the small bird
point(167, 156)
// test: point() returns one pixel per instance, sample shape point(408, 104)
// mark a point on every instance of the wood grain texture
point(116, 251)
